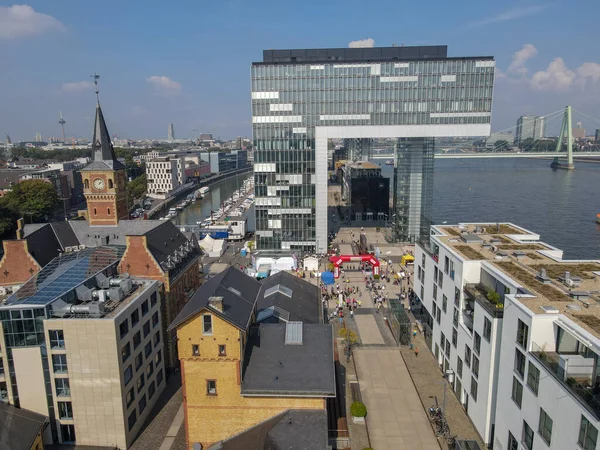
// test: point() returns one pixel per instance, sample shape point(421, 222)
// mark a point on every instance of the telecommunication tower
point(62, 122)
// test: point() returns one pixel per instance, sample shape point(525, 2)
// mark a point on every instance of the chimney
point(216, 303)
point(20, 231)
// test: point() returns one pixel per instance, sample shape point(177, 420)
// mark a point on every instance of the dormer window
point(207, 324)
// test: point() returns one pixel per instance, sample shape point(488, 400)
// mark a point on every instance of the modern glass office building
point(303, 98)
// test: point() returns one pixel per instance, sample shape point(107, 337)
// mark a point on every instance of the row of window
point(587, 439)
point(135, 315)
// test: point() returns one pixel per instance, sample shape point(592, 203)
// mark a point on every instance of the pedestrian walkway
point(430, 385)
point(396, 419)
point(368, 329)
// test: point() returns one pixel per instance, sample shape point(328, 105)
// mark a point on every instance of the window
point(158, 358)
point(211, 387)
point(487, 329)
point(446, 264)
point(86, 184)
point(533, 378)
point(108, 211)
point(513, 444)
point(454, 337)
point(127, 375)
point(156, 338)
point(195, 350)
point(475, 367)
point(124, 328)
point(444, 303)
point(146, 328)
point(435, 274)
point(59, 363)
point(57, 339)
point(545, 427)
point(130, 397)
point(137, 340)
point(159, 377)
point(139, 360)
point(207, 324)
point(474, 388)
point(142, 403)
point(145, 307)
point(131, 420)
point(456, 296)
point(125, 352)
point(148, 349)
point(477, 340)
point(527, 439)
point(448, 348)
point(435, 292)
point(522, 334)
point(441, 279)
point(439, 315)
point(222, 350)
point(154, 319)
point(459, 365)
point(62, 387)
point(65, 410)
point(442, 339)
point(151, 389)
point(517, 392)
point(68, 433)
point(452, 269)
point(588, 435)
point(149, 370)
point(455, 317)
point(519, 363)
point(422, 292)
point(467, 356)
point(141, 382)
point(135, 318)
point(153, 299)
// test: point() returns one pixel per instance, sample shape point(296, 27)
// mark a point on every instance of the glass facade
point(292, 96)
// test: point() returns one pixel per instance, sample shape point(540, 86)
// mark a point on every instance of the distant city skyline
point(197, 78)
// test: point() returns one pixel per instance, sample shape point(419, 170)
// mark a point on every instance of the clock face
point(99, 183)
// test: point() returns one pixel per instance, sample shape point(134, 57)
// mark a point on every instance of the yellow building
point(248, 363)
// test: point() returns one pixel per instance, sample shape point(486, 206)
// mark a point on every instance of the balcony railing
point(478, 292)
point(576, 377)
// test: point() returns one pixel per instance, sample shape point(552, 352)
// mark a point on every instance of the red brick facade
point(106, 196)
point(17, 265)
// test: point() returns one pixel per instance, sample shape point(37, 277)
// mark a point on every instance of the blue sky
point(187, 61)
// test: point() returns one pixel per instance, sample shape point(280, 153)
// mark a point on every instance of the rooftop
point(20, 427)
point(303, 365)
point(534, 265)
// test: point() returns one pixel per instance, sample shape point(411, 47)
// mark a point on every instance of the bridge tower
point(565, 132)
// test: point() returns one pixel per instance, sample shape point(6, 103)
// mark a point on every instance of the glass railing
point(575, 376)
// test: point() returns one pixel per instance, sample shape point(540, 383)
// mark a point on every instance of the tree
point(526, 145)
point(136, 188)
point(8, 219)
point(501, 146)
point(35, 199)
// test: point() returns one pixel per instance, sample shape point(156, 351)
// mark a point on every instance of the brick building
point(155, 249)
point(251, 355)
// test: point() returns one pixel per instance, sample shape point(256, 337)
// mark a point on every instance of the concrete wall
point(30, 379)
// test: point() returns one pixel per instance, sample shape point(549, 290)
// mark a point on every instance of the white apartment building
point(84, 348)
point(165, 176)
point(523, 344)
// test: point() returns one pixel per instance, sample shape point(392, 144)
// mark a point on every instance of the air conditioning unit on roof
point(82, 247)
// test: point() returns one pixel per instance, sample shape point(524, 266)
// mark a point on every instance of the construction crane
point(62, 122)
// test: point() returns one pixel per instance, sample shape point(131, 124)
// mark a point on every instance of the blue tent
point(327, 278)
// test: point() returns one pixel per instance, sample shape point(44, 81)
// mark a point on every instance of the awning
point(327, 278)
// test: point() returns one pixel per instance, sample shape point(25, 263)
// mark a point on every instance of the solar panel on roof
point(293, 333)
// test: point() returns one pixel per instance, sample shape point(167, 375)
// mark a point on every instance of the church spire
point(104, 153)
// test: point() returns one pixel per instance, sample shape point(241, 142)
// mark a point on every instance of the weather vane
point(96, 77)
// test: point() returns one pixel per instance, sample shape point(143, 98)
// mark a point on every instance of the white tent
point(311, 264)
point(212, 247)
point(285, 263)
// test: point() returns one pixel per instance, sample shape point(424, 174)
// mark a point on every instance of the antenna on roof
point(95, 77)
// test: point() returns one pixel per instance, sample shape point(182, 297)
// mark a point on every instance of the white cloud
point(19, 21)
point(76, 87)
point(363, 43)
point(589, 70)
point(557, 77)
point(511, 14)
point(164, 85)
point(521, 57)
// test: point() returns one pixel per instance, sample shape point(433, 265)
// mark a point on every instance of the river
point(559, 205)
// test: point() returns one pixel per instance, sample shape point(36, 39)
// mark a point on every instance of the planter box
point(358, 420)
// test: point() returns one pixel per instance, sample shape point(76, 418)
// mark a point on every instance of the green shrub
point(376, 276)
point(358, 409)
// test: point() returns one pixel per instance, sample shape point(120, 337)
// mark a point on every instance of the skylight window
point(278, 288)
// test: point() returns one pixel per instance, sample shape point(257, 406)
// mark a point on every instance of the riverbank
point(163, 207)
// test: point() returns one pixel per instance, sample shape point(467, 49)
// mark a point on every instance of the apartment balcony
point(576, 373)
point(479, 293)
point(468, 314)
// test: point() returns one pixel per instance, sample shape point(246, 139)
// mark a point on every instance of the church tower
point(104, 179)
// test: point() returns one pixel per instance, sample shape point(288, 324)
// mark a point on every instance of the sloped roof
point(272, 367)
point(239, 292)
point(305, 303)
point(298, 429)
point(19, 427)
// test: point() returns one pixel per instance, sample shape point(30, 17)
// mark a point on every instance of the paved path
point(396, 419)
point(368, 330)
point(173, 430)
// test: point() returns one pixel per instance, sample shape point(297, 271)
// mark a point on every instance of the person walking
point(416, 352)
